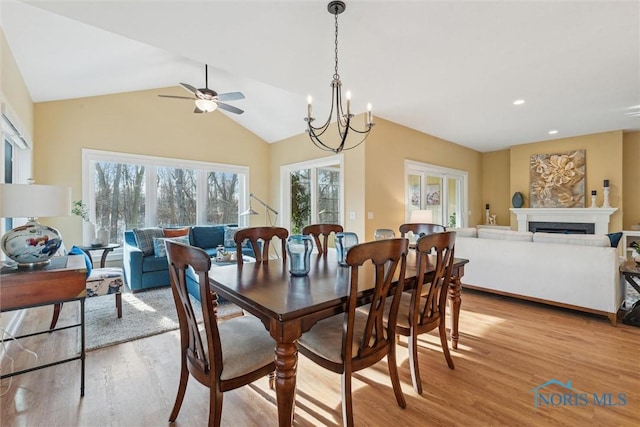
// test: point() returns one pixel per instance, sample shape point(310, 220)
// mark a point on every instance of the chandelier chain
point(336, 76)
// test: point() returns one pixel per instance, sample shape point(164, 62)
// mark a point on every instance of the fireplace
point(570, 219)
point(562, 227)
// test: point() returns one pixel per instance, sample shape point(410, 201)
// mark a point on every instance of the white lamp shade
point(34, 200)
point(421, 216)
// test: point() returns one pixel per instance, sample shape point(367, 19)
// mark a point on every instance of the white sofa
point(573, 271)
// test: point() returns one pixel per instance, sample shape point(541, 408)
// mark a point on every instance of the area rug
point(143, 314)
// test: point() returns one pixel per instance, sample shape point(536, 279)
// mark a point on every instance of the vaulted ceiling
point(451, 69)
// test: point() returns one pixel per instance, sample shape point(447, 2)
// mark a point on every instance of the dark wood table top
point(267, 290)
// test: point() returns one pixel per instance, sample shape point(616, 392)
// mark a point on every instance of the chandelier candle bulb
point(309, 100)
point(348, 96)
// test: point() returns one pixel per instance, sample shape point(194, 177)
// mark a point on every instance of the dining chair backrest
point(383, 234)
point(386, 256)
point(261, 236)
point(322, 230)
point(421, 229)
point(441, 246)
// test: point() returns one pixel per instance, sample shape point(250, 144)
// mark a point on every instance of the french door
point(440, 191)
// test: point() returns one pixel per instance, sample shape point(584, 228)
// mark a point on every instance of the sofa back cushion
point(207, 236)
point(511, 235)
point(598, 240)
point(144, 238)
point(465, 231)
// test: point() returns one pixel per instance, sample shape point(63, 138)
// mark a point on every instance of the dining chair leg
point(413, 362)
point(56, 314)
point(119, 304)
point(182, 388)
point(445, 343)
point(272, 380)
point(395, 378)
point(347, 401)
point(215, 406)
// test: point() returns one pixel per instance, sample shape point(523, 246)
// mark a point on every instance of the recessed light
point(518, 102)
point(553, 132)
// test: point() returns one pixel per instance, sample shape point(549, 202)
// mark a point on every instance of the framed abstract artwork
point(433, 194)
point(557, 180)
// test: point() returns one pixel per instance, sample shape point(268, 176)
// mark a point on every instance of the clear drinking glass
point(344, 241)
point(299, 249)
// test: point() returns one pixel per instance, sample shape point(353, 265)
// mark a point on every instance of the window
point(312, 193)
point(440, 190)
point(125, 191)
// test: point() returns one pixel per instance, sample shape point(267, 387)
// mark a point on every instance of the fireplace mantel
point(597, 216)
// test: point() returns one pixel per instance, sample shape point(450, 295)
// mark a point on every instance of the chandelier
point(343, 118)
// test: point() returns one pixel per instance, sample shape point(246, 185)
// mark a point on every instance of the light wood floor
point(507, 348)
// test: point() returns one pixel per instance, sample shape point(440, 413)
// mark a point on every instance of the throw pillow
point(175, 232)
point(144, 238)
point(614, 238)
point(87, 261)
point(159, 248)
point(229, 232)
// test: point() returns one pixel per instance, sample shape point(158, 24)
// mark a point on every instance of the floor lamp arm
point(264, 204)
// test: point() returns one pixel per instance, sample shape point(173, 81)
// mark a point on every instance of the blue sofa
point(145, 272)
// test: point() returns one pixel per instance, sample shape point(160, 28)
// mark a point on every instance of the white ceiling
point(451, 69)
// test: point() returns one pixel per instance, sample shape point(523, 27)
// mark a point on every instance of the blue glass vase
point(344, 241)
point(299, 249)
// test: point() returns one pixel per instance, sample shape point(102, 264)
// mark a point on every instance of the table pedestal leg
point(454, 297)
point(286, 364)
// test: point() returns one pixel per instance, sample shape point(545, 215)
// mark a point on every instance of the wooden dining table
point(290, 306)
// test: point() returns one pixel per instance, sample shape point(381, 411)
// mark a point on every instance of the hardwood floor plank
point(507, 348)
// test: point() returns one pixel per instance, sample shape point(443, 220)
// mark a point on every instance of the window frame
point(90, 157)
point(424, 170)
point(334, 161)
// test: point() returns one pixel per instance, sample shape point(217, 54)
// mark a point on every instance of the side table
point(105, 251)
point(631, 270)
point(60, 281)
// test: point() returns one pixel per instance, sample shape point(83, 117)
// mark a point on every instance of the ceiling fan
point(208, 100)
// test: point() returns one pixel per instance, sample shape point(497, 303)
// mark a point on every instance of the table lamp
point(421, 216)
point(32, 244)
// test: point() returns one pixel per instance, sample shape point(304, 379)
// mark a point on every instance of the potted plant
point(635, 245)
point(88, 228)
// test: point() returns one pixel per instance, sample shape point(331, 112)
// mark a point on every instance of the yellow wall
point(496, 186)
point(631, 178)
point(386, 150)
point(12, 87)
point(604, 161)
point(137, 123)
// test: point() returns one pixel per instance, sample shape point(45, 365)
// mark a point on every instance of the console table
point(63, 280)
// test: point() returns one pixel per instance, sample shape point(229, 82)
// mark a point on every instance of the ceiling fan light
point(206, 105)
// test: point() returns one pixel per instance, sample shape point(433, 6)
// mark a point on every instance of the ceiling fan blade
point(178, 97)
point(231, 96)
point(230, 108)
point(192, 89)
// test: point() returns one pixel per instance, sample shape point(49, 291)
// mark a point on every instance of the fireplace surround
point(599, 217)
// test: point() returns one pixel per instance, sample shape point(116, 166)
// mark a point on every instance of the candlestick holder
point(605, 203)
point(593, 201)
point(486, 214)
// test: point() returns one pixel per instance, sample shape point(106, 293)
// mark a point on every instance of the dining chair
point(421, 229)
point(423, 309)
point(260, 239)
point(346, 343)
point(383, 233)
point(322, 230)
point(222, 356)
